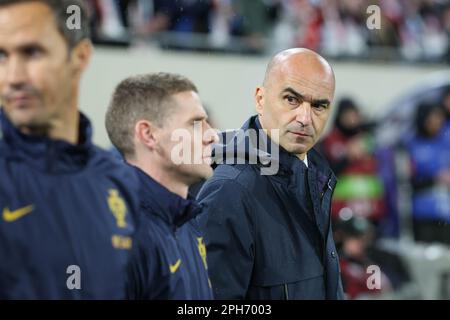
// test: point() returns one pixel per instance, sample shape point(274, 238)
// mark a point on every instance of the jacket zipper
point(286, 291)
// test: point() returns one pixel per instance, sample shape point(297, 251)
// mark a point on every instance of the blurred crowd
point(409, 29)
point(362, 201)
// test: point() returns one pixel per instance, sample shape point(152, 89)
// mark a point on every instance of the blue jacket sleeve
point(146, 279)
point(226, 223)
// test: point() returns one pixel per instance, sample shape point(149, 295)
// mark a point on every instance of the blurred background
point(388, 139)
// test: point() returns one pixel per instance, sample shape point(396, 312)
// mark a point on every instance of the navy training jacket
point(67, 218)
point(169, 257)
point(269, 236)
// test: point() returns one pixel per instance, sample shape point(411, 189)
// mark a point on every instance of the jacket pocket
point(287, 281)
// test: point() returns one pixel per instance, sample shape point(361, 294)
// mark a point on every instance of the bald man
point(269, 236)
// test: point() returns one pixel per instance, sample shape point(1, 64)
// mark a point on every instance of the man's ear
point(144, 133)
point(81, 55)
point(259, 100)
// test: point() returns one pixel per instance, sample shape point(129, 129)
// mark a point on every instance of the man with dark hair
point(61, 11)
point(147, 117)
point(269, 236)
point(66, 205)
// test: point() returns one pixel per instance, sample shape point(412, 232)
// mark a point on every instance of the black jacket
point(269, 236)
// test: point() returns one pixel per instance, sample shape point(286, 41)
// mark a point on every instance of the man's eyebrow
point(198, 118)
point(322, 102)
point(30, 45)
point(24, 48)
point(303, 97)
point(295, 93)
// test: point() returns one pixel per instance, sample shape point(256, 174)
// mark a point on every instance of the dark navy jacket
point(63, 205)
point(169, 258)
point(269, 236)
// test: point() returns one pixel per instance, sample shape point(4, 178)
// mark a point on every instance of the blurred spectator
point(345, 31)
point(358, 250)
point(299, 25)
point(418, 29)
point(220, 23)
point(109, 19)
point(430, 178)
point(422, 30)
point(446, 26)
point(446, 106)
point(391, 20)
point(354, 236)
point(253, 21)
point(349, 149)
point(177, 16)
point(149, 17)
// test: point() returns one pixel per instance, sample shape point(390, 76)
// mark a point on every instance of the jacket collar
point(56, 156)
point(157, 200)
point(260, 145)
point(318, 177)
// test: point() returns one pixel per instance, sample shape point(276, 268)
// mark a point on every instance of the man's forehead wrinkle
point(309, 83)
point(285, 73)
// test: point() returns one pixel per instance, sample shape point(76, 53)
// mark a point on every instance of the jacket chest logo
point(118, 208)
point(202, 250)
point(11, 216)
point(174, 267)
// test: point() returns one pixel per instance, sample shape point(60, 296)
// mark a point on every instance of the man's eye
point(292, 100)
point(197, 123)
point(2, 56)
point(319, 107)
point(33, 52)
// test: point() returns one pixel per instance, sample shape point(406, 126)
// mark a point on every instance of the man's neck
point(64, 128)
point(163, 178)
point(304, 158)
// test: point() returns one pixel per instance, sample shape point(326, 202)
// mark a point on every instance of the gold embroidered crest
point(202, 251)
point(118, 208)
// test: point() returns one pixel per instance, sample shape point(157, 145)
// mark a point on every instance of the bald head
point(305, 63)
point(296, 98)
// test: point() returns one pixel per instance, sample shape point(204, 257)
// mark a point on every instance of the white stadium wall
point(227, 82)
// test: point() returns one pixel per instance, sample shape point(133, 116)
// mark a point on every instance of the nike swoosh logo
point(10, 216)
point(174, 267)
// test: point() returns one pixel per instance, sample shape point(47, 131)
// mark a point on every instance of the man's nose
point(16, 74)
point(304, 114)
point(210, 135)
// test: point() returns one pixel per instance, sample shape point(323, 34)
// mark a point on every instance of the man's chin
point(205, 171)
point(193, 174)
point(201, 172)
point(296, 148)
point(25, 118)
